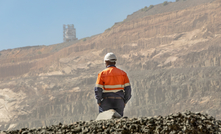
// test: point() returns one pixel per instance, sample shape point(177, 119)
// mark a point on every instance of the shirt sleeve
point(127, 90)
point(127, 94)
point(98, 88)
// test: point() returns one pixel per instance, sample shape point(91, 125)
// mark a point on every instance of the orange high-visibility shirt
point(112, 79)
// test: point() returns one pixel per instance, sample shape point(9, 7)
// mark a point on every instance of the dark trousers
point(116, 104)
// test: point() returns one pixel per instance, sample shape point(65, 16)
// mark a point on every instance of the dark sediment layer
point(179, 123)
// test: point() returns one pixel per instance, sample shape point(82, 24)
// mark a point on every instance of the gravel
point(178, 123)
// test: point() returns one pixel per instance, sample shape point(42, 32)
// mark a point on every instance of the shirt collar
point(111, 66)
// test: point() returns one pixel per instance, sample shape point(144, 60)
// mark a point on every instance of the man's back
point(113, 78)
point(112, 89)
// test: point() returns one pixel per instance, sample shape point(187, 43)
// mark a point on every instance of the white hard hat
point(110, 57)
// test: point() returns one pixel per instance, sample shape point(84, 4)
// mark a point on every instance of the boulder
point(109, 114)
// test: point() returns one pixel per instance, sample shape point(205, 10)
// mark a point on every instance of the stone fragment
point(109, 114)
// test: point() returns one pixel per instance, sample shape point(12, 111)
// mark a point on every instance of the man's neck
point(111, 66)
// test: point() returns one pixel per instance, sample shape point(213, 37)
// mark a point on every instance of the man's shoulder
point(103, 71)
point(122, 71)
point(106, 70)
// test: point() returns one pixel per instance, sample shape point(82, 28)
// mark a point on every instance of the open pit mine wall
point(161, 25)
point(195, 87)
point(64, 109)
point(156, 92)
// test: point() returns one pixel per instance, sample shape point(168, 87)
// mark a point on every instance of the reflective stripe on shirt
point(100, 86)
point(112, 86)
point(127, 84)
point(113, 91)
point(116, 86)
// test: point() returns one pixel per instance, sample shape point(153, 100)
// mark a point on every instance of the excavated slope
point(169, 7)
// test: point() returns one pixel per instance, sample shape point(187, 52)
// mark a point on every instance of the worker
point(113, 89)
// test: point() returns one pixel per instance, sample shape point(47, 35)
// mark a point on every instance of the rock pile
point(179, 123)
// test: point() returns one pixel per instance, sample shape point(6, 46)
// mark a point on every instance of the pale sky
point(40, 22)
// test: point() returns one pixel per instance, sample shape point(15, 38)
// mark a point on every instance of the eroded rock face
point(179, 123)
point(164, 91)
point(172, 59)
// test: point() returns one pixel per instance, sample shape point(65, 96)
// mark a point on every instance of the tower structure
point(69, 33)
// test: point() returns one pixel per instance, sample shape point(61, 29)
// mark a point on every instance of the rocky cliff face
point(172, 59)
